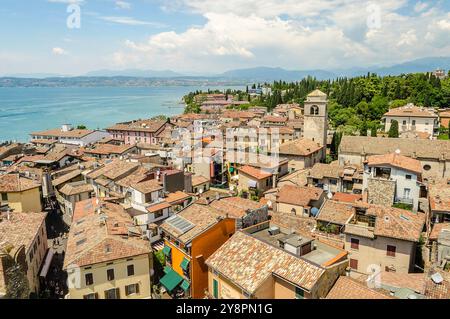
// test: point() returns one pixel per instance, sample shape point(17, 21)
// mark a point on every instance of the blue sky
point(200, 36)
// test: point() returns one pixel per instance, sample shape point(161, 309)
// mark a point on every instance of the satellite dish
point(201, 191)
point(269, 203)
point(397, 151)
point(330, 195)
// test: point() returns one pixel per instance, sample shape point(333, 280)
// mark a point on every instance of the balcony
point(404, 200)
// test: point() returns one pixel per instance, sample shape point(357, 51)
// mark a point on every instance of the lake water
point(26, 110)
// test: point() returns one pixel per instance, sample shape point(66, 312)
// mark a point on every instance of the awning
point(171, 280)
point(184, 264)
point(166, 250)
point(167, 269)
point(252, 183)
point(185, 285)
point(47, 263)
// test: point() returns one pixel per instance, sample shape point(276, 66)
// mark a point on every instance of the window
point(354, 264)
point(112, 293)
point(404, 122)
point(132, 289)
point(130, 270)
point(333, 181)
point(4, 197)
point(91, 296)
point(314, 110)
point(110, 274)
point(89, 279)
point(427, 167)
point(407, 193)
point(354, 243)
point(390, 250)
point(299, 293)
point(413, 122)
point(408, 176)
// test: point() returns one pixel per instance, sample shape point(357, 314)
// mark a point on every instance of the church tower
point(315, 126)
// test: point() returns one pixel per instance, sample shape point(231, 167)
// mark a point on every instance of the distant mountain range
point(136, 73)
point(270, 74)
point(256, 74)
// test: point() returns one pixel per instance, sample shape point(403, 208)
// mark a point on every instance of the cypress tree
point(393, 130)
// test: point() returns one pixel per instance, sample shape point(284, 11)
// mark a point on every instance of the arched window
point(293, 211)
point(314, 110)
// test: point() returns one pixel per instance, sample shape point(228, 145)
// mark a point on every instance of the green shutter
point(185, 285)
point(184, 264)
point(215, 289)
point(166, 250)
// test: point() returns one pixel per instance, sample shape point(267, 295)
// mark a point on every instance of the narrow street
point(55, 284)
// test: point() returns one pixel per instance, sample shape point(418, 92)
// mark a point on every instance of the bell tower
point(316, 117)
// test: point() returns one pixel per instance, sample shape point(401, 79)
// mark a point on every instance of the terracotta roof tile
point(249, 262)
point(348, 288)
point(254, 172)
point(201, 216)
point(395, 160)
point(147, 187)
point(20, 229)
point(300, 147)
point(412, 111)
point(235, 207)
point(296, 195)
point(434, 149)
point(336, 212)
point(16, 183)
point(91, 240)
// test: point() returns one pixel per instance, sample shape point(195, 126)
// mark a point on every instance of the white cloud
point(59, 51)
point(420, 6)
point(130, 21)
point(123, 5)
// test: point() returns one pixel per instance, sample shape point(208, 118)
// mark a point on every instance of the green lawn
point(443, 137)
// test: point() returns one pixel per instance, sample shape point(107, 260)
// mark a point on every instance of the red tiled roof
point(396, 160)
point(254, 172)
point(297, 195)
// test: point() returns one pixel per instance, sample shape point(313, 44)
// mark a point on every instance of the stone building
point(316, 117)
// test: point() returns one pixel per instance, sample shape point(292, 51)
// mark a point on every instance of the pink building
point(140, 131)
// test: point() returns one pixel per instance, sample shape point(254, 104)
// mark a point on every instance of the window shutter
point(137, 288)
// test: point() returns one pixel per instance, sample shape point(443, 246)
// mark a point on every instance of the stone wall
point(381, 192)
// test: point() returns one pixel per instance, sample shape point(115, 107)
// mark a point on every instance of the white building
point(68, 135)
point(149, 207)
point(392, 178)
point(411, 118)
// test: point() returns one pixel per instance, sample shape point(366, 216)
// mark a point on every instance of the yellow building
point(24, 237)
point(267, 261)
point(106, 257)
point(190, 238)
point(20, 194)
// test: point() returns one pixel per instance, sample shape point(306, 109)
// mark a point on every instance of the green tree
point(373, 131)
point(393, 130)
point(81, 127)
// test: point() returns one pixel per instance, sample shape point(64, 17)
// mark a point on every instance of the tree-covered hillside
point(356, 104)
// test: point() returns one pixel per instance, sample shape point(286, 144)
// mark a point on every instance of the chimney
point(66, 127)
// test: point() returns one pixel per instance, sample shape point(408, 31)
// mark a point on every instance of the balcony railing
point(404, 200)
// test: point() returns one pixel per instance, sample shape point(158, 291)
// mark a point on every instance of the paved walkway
point(55, 286)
